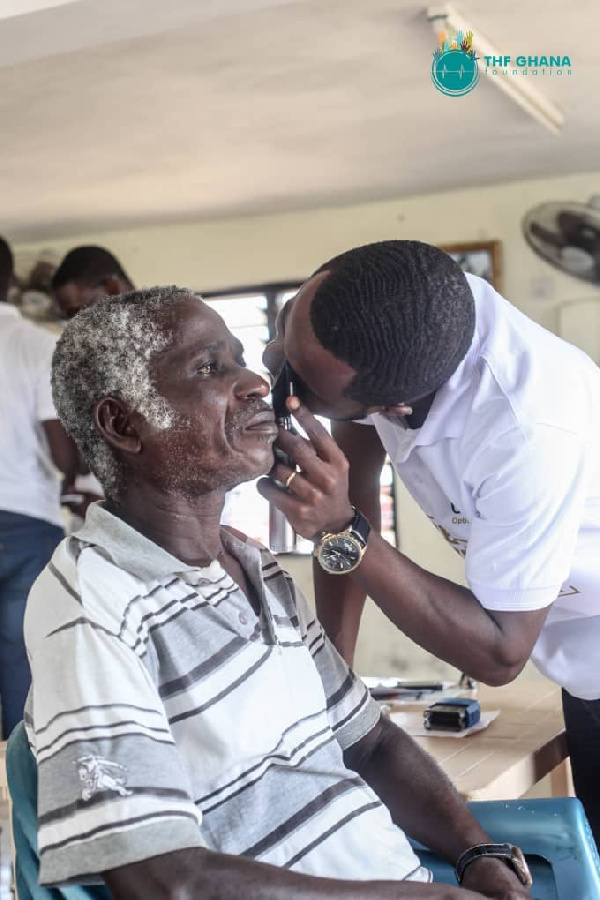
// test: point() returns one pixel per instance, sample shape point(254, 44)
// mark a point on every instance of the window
point(250, 315)
point(245, 315)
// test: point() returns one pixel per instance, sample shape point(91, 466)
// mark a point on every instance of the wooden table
point(523, 745)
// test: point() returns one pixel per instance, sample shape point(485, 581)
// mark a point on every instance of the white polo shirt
point(507, 467)
point(29, 483)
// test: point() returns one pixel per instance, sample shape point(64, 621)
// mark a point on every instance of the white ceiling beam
point(11, 8)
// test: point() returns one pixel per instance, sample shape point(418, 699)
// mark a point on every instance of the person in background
point(85, 275)
point(33, 444)
point(493, 425)
point(208, 741)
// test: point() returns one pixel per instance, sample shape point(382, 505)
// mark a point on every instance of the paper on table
point(412, 723)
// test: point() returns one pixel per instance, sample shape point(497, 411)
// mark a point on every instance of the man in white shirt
point(493, 424)
point(33, 445)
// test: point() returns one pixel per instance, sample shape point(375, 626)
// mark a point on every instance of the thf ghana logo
point(454, 69)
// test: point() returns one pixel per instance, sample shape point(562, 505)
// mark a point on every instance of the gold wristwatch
point(343, 551)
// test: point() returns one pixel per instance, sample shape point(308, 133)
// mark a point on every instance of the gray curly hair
point(106, 351)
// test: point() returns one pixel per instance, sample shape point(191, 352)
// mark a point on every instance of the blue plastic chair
point(555, 837)
point(21, 772)
point(553, 834)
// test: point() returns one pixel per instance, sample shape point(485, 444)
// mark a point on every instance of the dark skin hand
point(63, 449)
point(431, 610)
point(222, 433)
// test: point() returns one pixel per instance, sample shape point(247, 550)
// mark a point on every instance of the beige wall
point(222, 253)
point(219, 254)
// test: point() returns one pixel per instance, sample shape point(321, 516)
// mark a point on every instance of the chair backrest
point(554, 835)
point(22, 783)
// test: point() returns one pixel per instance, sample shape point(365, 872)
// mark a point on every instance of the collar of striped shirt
point(140, 556)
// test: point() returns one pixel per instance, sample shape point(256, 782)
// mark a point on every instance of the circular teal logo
point(454, 72)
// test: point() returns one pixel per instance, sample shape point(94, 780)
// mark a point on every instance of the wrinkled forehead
point(189, 325)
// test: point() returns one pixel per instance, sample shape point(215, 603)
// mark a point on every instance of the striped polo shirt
point(166, 714)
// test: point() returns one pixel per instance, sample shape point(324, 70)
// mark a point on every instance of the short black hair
point(400, 313)
point(88, 265)
point(7, 268)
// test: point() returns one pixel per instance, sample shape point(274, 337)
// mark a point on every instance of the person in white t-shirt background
point(493, 425)
point(33, 446)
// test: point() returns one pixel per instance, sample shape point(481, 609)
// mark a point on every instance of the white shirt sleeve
point(529, 490)
point(44, 405)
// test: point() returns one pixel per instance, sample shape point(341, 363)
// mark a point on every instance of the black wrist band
point(508, 853)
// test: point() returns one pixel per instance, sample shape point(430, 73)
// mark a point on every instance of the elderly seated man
point(195, 732)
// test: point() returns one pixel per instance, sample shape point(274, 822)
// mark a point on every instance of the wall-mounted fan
point(567, 235)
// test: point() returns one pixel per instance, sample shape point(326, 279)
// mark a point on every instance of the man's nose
point(251, 384)
point(273, 356)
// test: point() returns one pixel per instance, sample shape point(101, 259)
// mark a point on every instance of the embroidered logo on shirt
point(458, 518)
point(97, 774)
point(459, 544)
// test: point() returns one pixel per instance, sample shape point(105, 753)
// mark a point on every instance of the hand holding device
point(317, 497)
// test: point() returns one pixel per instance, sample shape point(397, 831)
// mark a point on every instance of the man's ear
point(113, 420)
point(398, 409)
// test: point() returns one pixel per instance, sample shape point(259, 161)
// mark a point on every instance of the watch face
point(340, 553)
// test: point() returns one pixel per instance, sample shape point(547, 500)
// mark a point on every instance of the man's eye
point(207, 368)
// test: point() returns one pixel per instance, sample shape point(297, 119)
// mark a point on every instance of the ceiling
point(118, 112)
